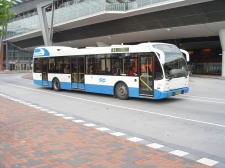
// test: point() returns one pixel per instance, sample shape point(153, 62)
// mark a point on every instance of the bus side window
point(66, 69)
point(90, 69)
point(37, 67)
point(118, 71)
point(131, 71)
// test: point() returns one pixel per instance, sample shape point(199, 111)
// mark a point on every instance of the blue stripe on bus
point(78, 85)
point(99, 89)
point(43, 83)
point(41, 52)
point(133, 92)
point(160, 95)
point(63, 85)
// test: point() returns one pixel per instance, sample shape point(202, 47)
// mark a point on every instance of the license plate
point(177, 93)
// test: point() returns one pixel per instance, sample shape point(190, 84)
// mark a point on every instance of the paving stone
point(43, 140)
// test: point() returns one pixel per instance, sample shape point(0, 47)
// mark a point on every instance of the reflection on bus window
point(37, 65)
point(158, 69)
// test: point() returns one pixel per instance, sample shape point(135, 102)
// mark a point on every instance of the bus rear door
point(44, 72)
point(77, 69)
point(146, 76)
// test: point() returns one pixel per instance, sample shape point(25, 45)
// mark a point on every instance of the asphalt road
point(194, 122)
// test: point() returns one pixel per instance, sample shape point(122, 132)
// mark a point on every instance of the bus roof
point(68, 51)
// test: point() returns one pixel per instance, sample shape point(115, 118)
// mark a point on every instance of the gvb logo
point(102, 80)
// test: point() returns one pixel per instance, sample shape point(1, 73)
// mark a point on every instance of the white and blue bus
point(147, 70)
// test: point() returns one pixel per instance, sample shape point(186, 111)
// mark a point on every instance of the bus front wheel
point(121, 91)
point(56, 84)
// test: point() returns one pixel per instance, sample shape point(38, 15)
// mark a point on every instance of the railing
point(77, 10)
point(23, 26)
point(71, 11)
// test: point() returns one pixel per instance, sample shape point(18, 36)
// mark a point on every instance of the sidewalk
point(31, 137)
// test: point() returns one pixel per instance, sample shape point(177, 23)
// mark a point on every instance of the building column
point(1, 54)
point(222, 41)
point(44, 23)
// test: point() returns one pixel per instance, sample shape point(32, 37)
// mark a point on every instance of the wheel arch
point(54, 79)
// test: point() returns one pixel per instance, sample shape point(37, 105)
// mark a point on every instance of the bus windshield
point(175, 65)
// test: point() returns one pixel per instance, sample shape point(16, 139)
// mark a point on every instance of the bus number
point(120, 50)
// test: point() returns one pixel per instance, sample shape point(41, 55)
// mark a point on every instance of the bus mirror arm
point(160, 54)
point(186, 54)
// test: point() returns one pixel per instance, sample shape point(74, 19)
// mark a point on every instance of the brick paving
point(32, 138)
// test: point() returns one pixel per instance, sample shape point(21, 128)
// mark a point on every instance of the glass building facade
point(16, 58)
point(65, 10)
point(203, 61)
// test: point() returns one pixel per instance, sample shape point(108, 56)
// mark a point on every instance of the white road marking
point(155, 145)
point(102, 129)
point(90, 125)
point(51, 112)
point(32, 105)
point(68, 118)
point(78, 121)
point(37, 107)
point(43, 109)
point(135, 139)
point(60, 115)
point(117, 133)
point(123, 107)
point(208, 162)
point(179, 153)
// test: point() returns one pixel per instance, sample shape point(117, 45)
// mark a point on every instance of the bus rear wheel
point(56, 84)
point(121, 91)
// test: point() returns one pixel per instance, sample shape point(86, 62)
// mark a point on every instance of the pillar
point(6, 56)
point(1, 54)
point(44, 23)
point(222, 41)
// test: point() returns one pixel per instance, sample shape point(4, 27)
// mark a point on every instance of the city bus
point(146, 70)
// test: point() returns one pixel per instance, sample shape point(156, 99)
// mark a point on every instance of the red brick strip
point(33, 138)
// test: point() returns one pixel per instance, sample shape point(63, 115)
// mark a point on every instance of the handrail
point(44, 76)
point(149, 76)
point(73, 76)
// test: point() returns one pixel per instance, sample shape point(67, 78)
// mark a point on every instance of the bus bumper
point(161, 95)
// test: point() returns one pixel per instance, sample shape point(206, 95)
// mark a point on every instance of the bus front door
point(146, 76)
point(77, 69)
point(44, 72)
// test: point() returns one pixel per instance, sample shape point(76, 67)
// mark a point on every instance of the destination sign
point(120, 50)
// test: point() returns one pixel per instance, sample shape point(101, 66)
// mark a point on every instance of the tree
point(5, 13)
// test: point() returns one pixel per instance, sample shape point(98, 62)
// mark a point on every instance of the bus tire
point(121, 91)
point(56, 84)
